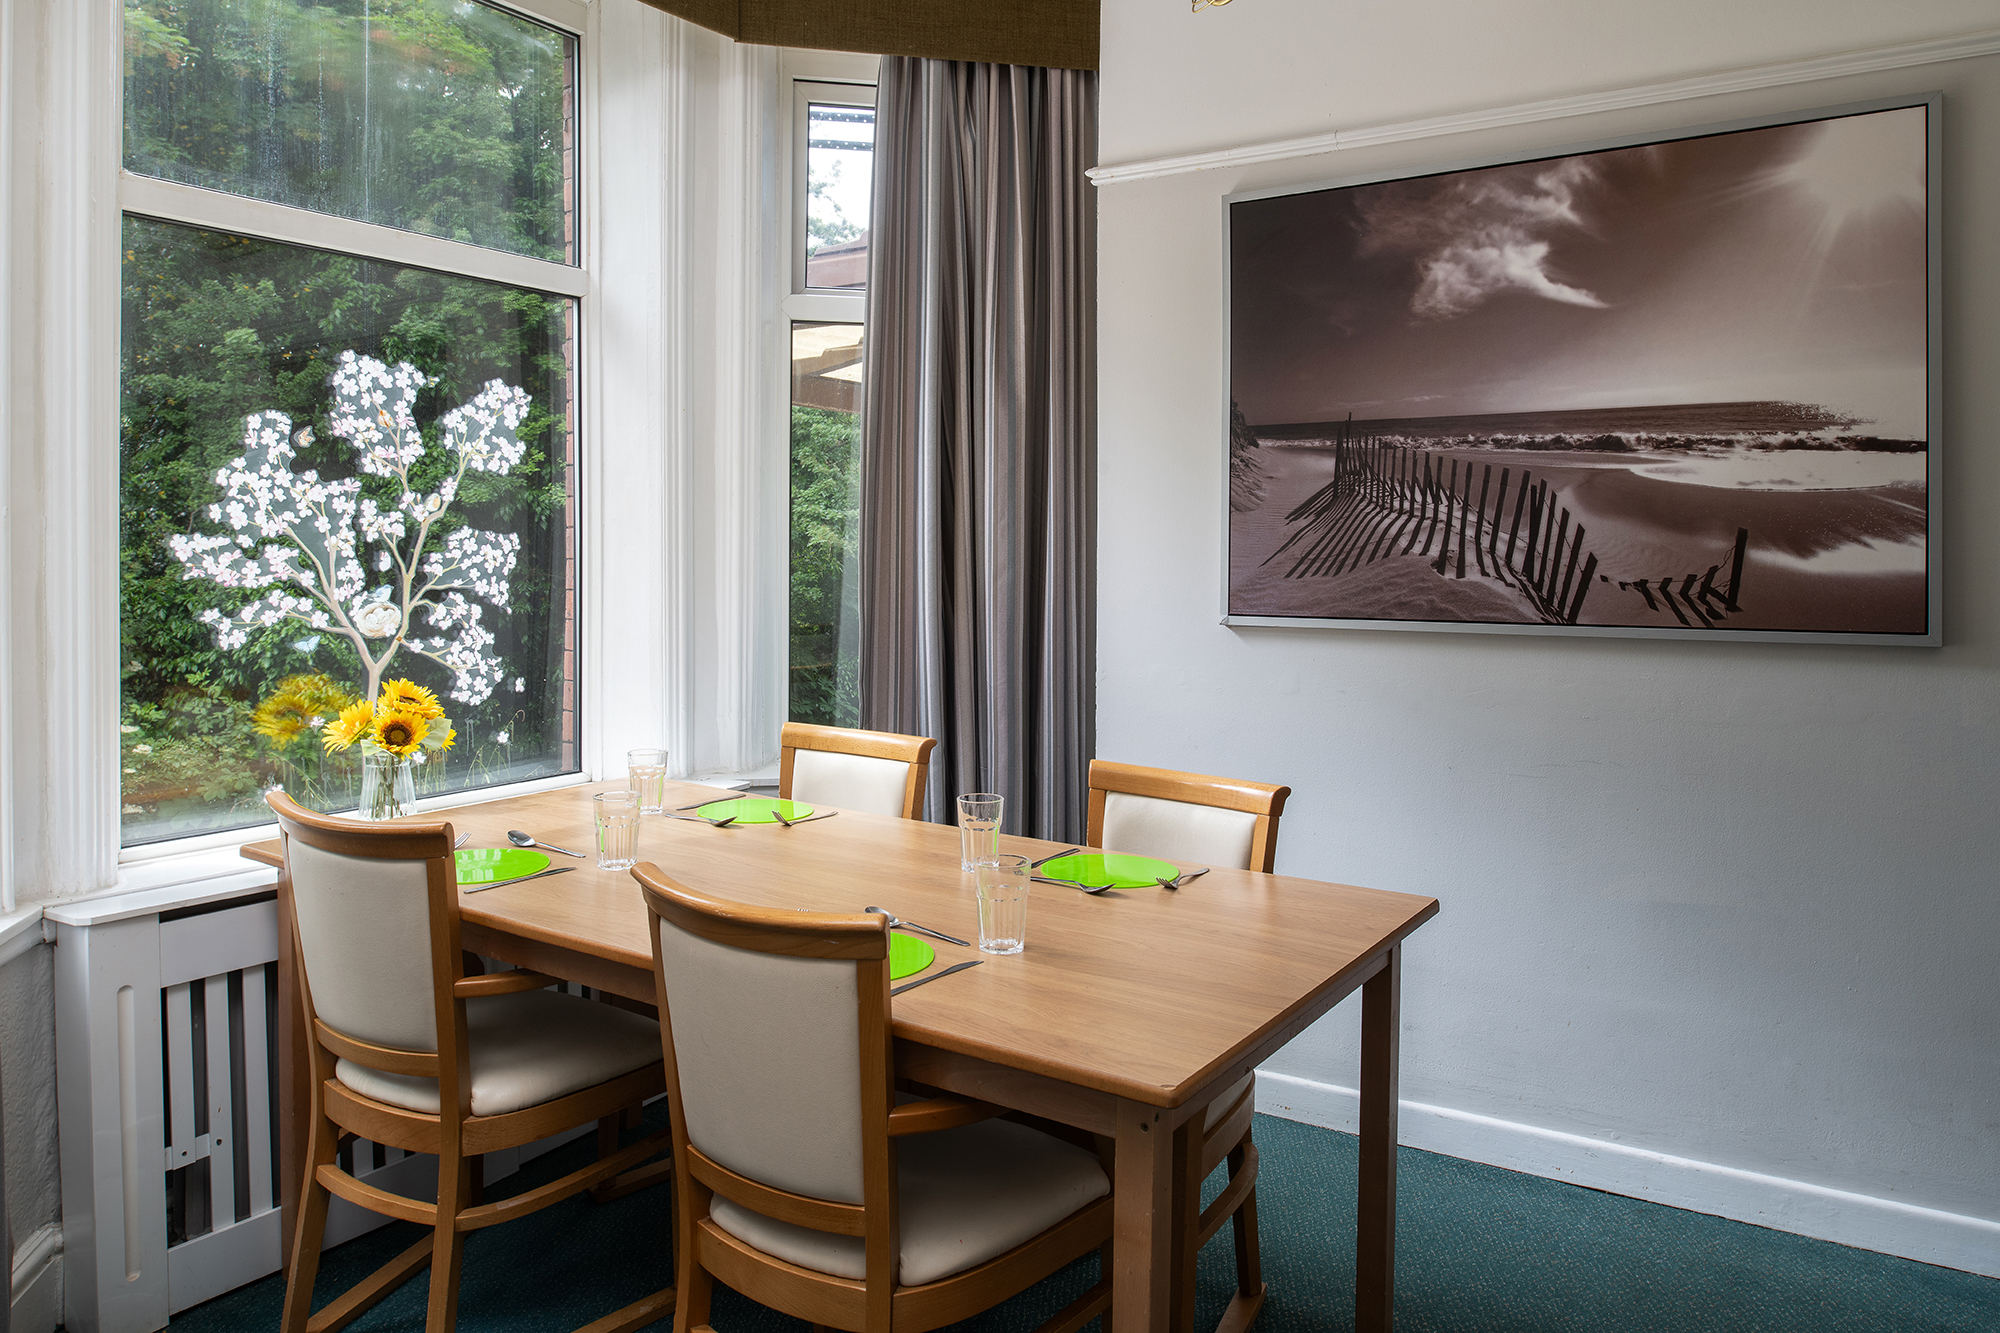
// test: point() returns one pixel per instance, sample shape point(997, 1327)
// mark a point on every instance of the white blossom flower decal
point(292, 532)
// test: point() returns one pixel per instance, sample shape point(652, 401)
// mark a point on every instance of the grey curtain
point(978, 514)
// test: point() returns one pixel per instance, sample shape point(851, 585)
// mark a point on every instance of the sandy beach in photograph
point(1819, 557)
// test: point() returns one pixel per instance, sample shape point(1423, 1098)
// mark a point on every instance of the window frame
point(803, 76)
point(166, 861)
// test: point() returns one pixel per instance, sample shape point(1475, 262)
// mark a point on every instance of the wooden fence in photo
point(1390, 499)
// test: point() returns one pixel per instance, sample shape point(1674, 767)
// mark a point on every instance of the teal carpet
point(1479, 1250)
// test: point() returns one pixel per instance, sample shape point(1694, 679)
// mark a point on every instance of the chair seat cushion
point(966, 1195)
point(527, 1048)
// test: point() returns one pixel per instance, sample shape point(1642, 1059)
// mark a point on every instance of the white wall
point(1730, 903)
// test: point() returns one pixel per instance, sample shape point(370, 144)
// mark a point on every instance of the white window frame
point(645, 343)
point(242, 215)
point(810, 76)
point(805, 77)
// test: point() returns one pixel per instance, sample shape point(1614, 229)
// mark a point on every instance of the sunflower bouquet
point(402, 727)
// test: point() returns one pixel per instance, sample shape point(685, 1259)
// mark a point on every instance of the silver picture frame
point(1707, 372)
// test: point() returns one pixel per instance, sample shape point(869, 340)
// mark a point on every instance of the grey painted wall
point(1730, 902)
point(28, 1067)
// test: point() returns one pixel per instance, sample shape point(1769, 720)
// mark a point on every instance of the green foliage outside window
point(438, 116)
point(192, 756)
point(825, 450)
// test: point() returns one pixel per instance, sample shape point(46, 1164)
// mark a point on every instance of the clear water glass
point(1003, 904)
point(617, 829)
point(978, 829)
point(646, 776)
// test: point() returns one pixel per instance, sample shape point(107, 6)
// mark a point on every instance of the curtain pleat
point(979, 433)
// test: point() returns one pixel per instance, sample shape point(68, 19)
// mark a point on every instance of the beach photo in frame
point(1684, 385)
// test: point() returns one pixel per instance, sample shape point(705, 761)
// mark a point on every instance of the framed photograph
point(1680, 386)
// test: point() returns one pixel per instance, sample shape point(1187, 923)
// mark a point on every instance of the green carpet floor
point(1479, 1250)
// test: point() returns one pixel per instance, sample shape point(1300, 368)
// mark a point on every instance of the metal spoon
point(520, 839)
point(895, 921)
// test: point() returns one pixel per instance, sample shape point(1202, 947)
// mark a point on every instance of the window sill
point(189, 872)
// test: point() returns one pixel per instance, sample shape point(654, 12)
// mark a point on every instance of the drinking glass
point(646, 775)
point(617, 829)
point(1003, 904)
point(978, 829)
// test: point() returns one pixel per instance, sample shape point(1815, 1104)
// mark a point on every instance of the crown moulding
point(1935, 51)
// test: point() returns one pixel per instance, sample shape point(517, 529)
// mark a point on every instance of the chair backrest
point(377, 925)
point(1184, 816)
point(776, 1029)
point(880, 772)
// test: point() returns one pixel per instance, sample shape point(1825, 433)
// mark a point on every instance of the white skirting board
point(1951, 1240)
point(38, 1275)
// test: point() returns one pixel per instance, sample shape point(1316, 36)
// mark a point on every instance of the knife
point(552, 870)
point(912, 985)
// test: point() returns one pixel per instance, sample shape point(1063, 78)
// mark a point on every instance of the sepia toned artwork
point(1685, 387)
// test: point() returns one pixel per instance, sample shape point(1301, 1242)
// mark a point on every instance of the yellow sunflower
point(406, 696)
point(320, 693)
point(282, 717)
point(400, 733)
point(354, 722)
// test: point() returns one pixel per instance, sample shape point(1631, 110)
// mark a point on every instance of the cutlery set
point(520, 839)
point(1173, 883)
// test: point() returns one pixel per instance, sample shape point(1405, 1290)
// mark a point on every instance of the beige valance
point(1060, 34)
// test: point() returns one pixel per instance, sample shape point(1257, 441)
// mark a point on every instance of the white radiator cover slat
point(120, 1101)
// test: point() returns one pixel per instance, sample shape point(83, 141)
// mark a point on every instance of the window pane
point(826, 511)
point(217, 328)
point(840, 165)
point(438, 116)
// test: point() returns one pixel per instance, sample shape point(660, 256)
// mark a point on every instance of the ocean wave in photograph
point(1653, 428)
point(1789, 470)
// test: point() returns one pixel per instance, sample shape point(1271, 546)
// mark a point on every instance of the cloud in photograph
point(1470, 239)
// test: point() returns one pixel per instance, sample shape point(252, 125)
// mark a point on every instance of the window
point(833, 145)
point(312, 186)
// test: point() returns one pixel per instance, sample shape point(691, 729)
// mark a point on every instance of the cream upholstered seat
point(964, 1196)
point(1215, 822)
point(801, 1184)
point(879, 772)
point(408, 1051)
point(527, 1048)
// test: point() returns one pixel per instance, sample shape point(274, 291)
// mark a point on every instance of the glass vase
point(388, 787)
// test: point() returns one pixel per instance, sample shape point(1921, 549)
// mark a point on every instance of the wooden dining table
point(1126, 1014)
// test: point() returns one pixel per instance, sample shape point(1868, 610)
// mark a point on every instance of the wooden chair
point(801, 1184)
point(876, 771)
point(408, 1051)
point(1220, 822)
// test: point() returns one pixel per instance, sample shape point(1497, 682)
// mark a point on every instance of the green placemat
point(908, 955)
point(490, 865)
point(755, 810)
point(1108, 869)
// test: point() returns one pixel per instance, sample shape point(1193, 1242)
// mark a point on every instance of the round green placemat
point(1113, 869)
point(754, 810)
point(908, 955)
point(490, 865)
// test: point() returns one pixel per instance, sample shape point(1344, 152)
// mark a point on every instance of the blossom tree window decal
point(310, 541)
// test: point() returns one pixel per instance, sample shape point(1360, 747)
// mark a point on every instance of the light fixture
point(1200, 5)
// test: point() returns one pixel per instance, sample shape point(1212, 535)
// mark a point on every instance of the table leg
point(1142, 1229)
point(1375, 1224)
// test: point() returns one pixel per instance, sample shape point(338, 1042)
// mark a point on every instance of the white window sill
point(20, 931)
point(189, 872)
